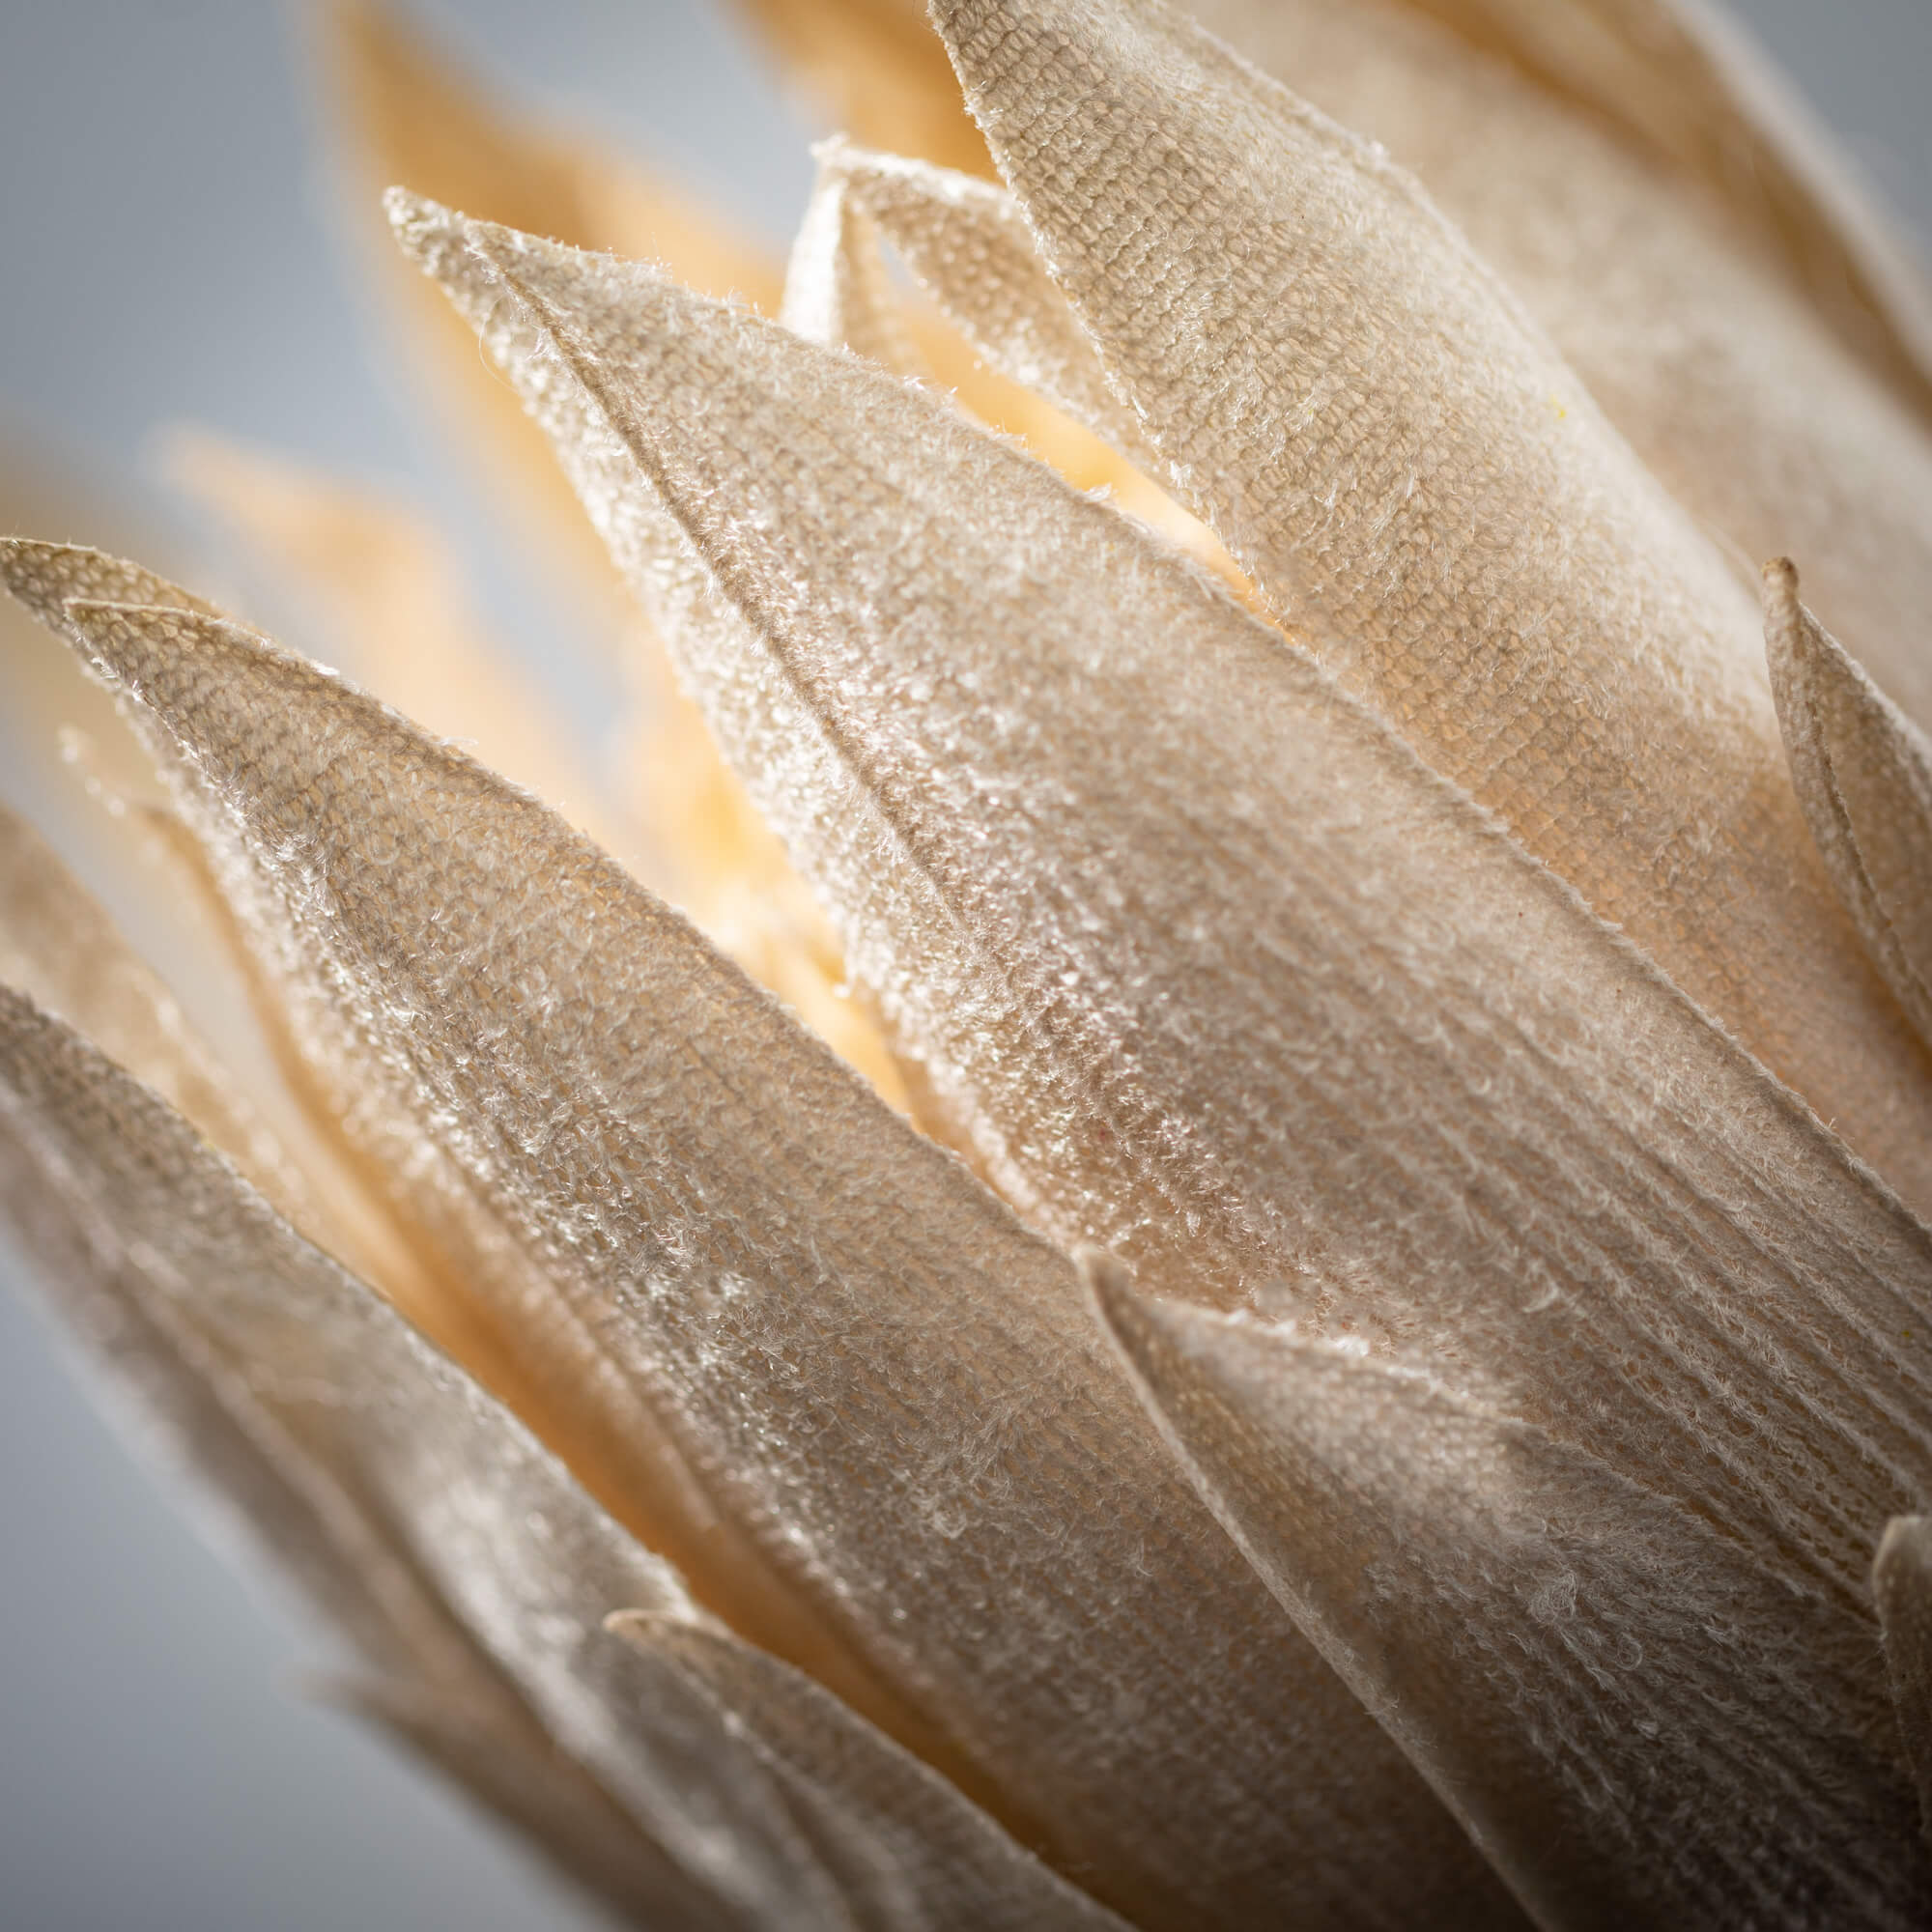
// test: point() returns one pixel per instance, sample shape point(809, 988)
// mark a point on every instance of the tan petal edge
point(1902, 1589)
point(674, 1199)
point(1628, 1711)
point(1864, 774)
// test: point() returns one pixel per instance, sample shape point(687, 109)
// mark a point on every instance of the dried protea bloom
point(1349, 1340)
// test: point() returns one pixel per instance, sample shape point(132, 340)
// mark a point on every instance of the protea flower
point(1378, 1372)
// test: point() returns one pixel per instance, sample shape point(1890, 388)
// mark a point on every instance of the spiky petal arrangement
point(1363, 1393)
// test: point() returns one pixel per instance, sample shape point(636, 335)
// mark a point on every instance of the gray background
point(170, 254)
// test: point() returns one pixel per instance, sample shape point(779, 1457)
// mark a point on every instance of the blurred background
point(176, 251)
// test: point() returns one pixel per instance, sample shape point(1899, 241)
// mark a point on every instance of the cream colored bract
point(1349, 1357)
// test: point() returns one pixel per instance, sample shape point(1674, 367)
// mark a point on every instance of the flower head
point(1317, 1357)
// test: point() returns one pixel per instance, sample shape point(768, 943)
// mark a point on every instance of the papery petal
point(450, 1547)
point(71, 767)
point(1040, 378)
point(912, 1852)
point(92, 575)
point(411, 117)
point(346, 1206)
point(1729, 384)
point(1210, 969)
point(552, 1374)
point(1042, 381)
point(1763, 425)
point(1623, 1705)
point(1681, 81)
point(1686, 78)
point(835, 285)
point(799, 1349)
point(1902, 1588)
point(838, 292)
point(969, 243)
point(1864, 774)
point(1391, 450)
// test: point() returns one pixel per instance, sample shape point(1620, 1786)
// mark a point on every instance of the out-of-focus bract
point(1217, 1219)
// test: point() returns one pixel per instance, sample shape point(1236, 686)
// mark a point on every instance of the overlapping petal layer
point(793, 1345)
point(1593, 1363)
point(1864, 775)
point(1670, 213)
point(1727, 382)
point(684, 1775)
point(1621, 1699)
point(1902, 1585)
point(837, 288)
point(58, 947)
point(1390, 450)
point(365, 573)
point(1163, 911)
point(1204, 967)
point(1686, 81)
point(452, 1549)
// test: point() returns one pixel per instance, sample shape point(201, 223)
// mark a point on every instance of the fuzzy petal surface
point(1203, 964)
point(1615, 1697)
point(1392, 450)
point(792, 1345)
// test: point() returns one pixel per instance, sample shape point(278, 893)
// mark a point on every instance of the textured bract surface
point(1728, 383)
point(741, 1288)
point(1685, 80)
point(1864, 774)
point(1034, 881)
point(452, 1549)
point(1624, 1703)
point(1360, 1397)
point(1902, 1586)
point(1393, 452)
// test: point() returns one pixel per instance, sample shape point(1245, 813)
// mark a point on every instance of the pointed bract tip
point(405, 207)
point(35, 574)
point(1904, 1552)
point(1131, 1321)
point(123, 634)
point(665, 1635)
point(1788, 639)
point(50, 578)
point(420, 225)
point(1780, 584)
point(833, 149)
point(976, 34)
point(1798, 647)
point(1110, 1282)
point(942, 16)
point(467, 256)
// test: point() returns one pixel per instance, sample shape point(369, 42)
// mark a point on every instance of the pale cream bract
point(1350, 1343)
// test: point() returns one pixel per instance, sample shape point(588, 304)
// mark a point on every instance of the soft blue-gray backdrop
point(170, 254)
